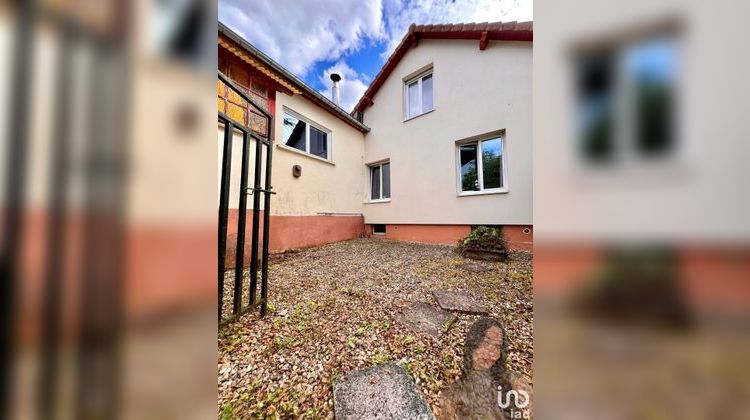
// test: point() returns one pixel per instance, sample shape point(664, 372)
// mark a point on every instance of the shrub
point(483, 238)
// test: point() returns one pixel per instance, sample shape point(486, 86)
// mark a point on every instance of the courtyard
point(342, 307)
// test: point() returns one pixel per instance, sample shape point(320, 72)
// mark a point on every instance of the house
point(440, 142)
point(450, 134)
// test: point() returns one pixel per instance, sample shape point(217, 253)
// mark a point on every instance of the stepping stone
point(474, 267)
point(382, 392)
point(427, 319)
point(458, 302)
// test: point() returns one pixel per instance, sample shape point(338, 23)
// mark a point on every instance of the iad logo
point(519, 403)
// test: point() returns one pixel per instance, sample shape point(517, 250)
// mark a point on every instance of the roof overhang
point(482, 32)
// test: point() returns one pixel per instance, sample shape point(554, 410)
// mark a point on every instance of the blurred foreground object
point(642, 259)
point(108, 209)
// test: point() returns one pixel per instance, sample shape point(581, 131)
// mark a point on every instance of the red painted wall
point(519, 237)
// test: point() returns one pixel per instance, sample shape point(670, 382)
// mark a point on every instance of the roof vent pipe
point(335, 90)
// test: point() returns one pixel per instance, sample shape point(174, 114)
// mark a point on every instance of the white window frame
point(309, 123)
point(418, 78)
point(480, 172)
point(370, 166)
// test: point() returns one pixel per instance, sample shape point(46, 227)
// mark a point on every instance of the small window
point(481, 166)
point(378, 229)
point(304, 136)
point(418, 94)
point(380, 181)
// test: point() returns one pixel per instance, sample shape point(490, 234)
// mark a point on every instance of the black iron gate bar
point(229, 126)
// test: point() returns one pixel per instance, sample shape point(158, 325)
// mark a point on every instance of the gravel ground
point(333, 309)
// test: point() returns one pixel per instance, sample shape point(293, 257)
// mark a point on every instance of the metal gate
point(230, 126)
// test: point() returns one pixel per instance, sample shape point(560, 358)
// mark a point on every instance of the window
point(380, 181)
point(626, 101)
point(418, 94)
point(481, 166)
point(378, 229)
point(304, 136)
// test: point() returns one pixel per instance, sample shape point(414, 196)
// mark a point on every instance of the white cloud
point(298, 34)
point(351, 86)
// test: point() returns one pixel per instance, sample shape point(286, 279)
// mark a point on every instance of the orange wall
point(451, 234)
point(289, 232)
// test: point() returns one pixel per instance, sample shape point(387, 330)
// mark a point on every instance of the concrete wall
point(475, 92)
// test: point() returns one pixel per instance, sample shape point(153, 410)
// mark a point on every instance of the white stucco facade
point(476, 92)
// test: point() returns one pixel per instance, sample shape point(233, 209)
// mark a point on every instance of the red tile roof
point(484, 32)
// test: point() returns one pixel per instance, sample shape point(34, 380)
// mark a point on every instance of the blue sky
point(353, 38)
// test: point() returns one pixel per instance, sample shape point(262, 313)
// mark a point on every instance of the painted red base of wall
point(714, 280)
point(520, 238)
point(290, 232)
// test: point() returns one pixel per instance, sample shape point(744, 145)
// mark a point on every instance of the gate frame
point(247, 134)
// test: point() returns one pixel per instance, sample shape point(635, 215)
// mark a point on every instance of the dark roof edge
point(316, 96)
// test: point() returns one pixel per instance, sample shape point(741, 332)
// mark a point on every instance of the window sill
point(485, 192)
point(384, 200)
point(299, 152)
point(417, 116)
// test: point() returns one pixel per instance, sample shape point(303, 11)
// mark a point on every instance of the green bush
point(484, 238)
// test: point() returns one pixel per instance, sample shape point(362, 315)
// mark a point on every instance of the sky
point(353, 38)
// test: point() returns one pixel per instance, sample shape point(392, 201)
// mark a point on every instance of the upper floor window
point(418, 95)
point(306, 136)
point(480, 166)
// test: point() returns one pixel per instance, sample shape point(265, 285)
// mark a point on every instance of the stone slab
point(426, 319)
point(458, 302)
point(385, 391)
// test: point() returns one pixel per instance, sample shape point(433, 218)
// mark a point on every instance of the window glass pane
point(294, 132)
point(375, 182)
point(595, 109)
point(492, 163)
point(427, 93)
point(469, 176)
point(652, 69)
point(386, 180)
point(413, 94)
point(318, 143)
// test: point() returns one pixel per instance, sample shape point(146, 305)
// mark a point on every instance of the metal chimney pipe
point(335, 90)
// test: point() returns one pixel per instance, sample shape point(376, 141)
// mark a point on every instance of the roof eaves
point(315, 95)
point(506, 31)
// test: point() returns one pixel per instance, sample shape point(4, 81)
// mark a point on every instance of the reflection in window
point(318, 143)
point(427, 93)
point(380, 181)
point(481, 165)
point(304, 136)
point(627, 100)
point(469, 175)
point(492, 163)
point(295, 133)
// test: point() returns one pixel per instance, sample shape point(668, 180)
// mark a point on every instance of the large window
point(480, 166)
point(305, 136)
point(380, 181)
point(626, 101)
point(418, 95)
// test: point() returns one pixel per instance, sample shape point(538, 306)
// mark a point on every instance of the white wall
point(475, 92)
point(703, 193)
